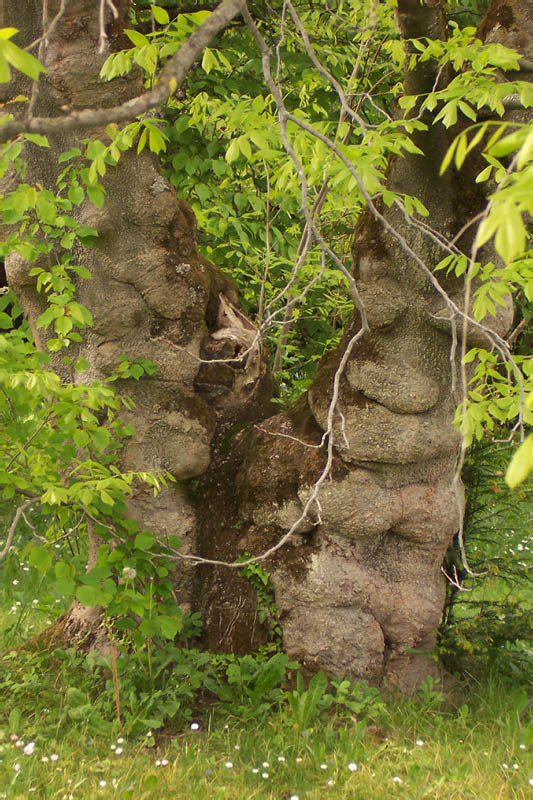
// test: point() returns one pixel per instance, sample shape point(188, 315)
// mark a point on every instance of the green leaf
point(41, 558)
point(244, 146)
point(508, 144)
point(150, 782)
point(83, 272)
point(5, 72)
point(88, 595)
point(100, 438)
point(232, 153)
point(72, 153)
point(142, 142)
point(209, 60)
point(76, 194)
point(521, 464)
point(63, 570)
point(510, 240)
point(81, 438)
point(143, 541)
point(156, 141)
point(7, 33)
point(38, 139)
point(96, 195)
point(160, 15)
point(20, 59)
point(169, 626)
point(15, 723)
point(138, 39)
point(81, 365)
point(6, 321)
point(174, 541)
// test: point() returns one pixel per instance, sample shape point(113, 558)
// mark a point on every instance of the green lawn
point(478, 748)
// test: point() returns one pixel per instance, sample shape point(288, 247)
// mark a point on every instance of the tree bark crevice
point(359, 584)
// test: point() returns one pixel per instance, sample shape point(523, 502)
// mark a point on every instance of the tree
point(352, 496)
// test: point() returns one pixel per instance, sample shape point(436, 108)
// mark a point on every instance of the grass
point(479, 749)
point(60, 736)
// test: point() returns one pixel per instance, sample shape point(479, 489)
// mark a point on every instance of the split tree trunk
point(359, 586)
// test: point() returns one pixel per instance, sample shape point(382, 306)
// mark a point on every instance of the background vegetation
point(152, 718)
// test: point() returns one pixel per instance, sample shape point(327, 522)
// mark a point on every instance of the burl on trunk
point(359, 584)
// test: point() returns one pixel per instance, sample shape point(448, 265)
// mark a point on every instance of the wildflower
point(45, 759)
point(419, 742)
point(15, 582)
point(54, 757)
point(505, 766)
point(164, 762)
point(237, 747)
point(129, 574)
point(516, 766)
point(113, 747)
point(397, 779)
point(13, 737)
point(120, 740)
point(194, 726)
point(102, 783)
point(35, 602)
point(352, 767)
point(255, 770)
point(16, 767)
point(323, 766)
point(281, 758)
point(19, 743)
point(30, 747)
point(229, 764)
point(299, 760)
point(522, 746)
point(530, 781)
point(331, 782)
point(118, 751)
point(294, 797)
point(265, 764)
point(264, 775)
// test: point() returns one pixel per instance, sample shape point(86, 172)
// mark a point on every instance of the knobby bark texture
point(359, 585)
point(151, 295)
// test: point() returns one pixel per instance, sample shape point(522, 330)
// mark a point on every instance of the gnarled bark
point(359, 584)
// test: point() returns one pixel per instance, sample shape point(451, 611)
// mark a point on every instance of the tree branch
point(13, 527)
point(171, 77)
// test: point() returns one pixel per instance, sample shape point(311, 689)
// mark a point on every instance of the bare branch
point(103, 35)
point(13, 527)
point(170, 79)
point(48, 29)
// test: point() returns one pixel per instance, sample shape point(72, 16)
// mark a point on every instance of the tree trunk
point(359, 584)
